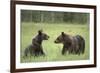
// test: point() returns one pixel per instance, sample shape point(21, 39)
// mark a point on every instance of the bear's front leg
point(41, 51)
point(63, 50)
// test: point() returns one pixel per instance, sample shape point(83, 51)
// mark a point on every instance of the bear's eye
point(58, 38)
point(45, 35)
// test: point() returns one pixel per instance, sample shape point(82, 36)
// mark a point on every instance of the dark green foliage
point(54, 17)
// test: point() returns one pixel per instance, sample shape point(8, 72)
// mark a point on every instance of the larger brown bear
point(35, 48)
point(72, 44)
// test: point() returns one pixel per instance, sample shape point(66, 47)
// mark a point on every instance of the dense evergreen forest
point(54, 17)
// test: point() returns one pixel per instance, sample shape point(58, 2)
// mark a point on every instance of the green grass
point(52, 50)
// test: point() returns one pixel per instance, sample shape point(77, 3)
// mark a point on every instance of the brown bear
point(72, 44)
point(36, 47)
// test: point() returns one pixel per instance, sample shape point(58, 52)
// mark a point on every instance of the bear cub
point(72, 44)
point(36, 49)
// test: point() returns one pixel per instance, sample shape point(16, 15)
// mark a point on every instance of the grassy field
point(52, 50)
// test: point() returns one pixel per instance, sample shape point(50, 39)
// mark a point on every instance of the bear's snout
point(47, 37)
point(56, 41)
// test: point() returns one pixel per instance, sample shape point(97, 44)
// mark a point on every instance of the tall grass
point(52, 50)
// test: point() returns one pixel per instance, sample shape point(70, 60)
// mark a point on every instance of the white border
point(52, 64)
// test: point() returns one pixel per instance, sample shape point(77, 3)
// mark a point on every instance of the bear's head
point(63, 38)
point(42, 36)
point(60, 38)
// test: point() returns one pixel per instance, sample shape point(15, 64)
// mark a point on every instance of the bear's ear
point(40, 32)
point(63, 34)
